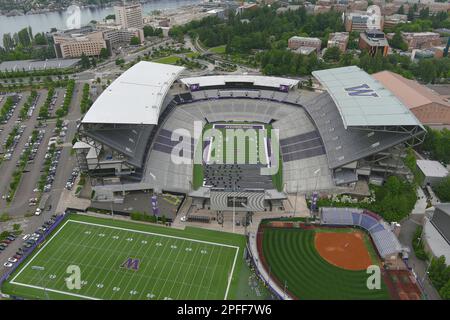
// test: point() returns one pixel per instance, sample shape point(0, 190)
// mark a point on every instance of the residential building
point(73, 45)
point(421, 40)
point(297, 42)
point(394, 19)
point(374, 42)
point(247, 6)
point(117, 36)
point(359, 21)
point(321, 9)
point(338, 39)
point(359, 5)
point(129, 16)
point(428, 106)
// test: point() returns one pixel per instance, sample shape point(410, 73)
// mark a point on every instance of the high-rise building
point(129, 16)
point(374, 42)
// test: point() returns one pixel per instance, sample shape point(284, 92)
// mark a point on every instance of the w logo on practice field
point(361, 91)
point(131, 264)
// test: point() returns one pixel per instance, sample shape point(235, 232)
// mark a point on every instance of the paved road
point(406, 235)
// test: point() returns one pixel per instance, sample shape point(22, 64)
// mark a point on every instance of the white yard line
point(231, 274)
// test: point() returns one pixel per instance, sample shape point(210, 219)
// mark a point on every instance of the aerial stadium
point(351, 128)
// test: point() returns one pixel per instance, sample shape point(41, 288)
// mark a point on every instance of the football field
point(118, 261)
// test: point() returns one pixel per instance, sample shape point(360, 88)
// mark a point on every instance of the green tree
point(397, 42)
point(443, 189)
point(427, 70)
point(439, 273)
point(8, 42)
point(135, 41)
point(411, 13)
point(332, 54)
point(445, 291)
point(401, 10)
point(104, 53)
point(85, 62)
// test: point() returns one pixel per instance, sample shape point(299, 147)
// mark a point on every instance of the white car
point(183, 219)
point(12, 260)
point(25, 237)
point(38, 212)
point(8, 264)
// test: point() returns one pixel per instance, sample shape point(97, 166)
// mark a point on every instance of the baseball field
point(321, 263)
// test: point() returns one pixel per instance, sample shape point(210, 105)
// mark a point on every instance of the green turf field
point(293, 260)
point(172, 264)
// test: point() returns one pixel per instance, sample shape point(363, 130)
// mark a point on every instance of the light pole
point(316, 174)
point(234, 203)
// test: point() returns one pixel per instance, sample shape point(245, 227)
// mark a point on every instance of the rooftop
point(20, 65)
point(410, 92)
point(432, 168)
point(221, 80)
point(362, 100)
point(145, 85)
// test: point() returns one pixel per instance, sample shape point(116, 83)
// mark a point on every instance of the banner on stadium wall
point(155, 205)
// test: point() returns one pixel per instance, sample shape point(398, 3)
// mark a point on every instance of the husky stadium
point(351, 128)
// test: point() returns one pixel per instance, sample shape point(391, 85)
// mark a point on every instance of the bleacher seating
point(385, 240)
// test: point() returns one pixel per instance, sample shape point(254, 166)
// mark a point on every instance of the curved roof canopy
point(136, 96)
point(221, 80)
point(362, 100)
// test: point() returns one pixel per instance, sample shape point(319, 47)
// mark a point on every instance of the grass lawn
point(166, 263)
point(218, 49)
point(293, 260)
point(168, 60)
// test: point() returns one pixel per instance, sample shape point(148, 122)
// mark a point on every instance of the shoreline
point(18, 13)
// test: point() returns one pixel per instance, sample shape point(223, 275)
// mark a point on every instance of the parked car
point(8, 264)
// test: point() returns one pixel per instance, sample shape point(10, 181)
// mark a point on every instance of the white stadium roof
point(362, 100)
point(136, 96)
point(221, 80)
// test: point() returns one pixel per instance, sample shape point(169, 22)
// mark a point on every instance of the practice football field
point(119, 261)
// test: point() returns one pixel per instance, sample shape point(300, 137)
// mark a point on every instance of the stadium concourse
point(352, 129)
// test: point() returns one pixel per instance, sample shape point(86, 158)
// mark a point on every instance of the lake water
point(43, 22)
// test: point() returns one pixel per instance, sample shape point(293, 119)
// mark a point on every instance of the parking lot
point(21, 244)
point(51, 148)
point(61, 173)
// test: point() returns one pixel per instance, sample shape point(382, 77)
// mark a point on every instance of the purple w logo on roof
point(131, 264)
point(361, 91)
